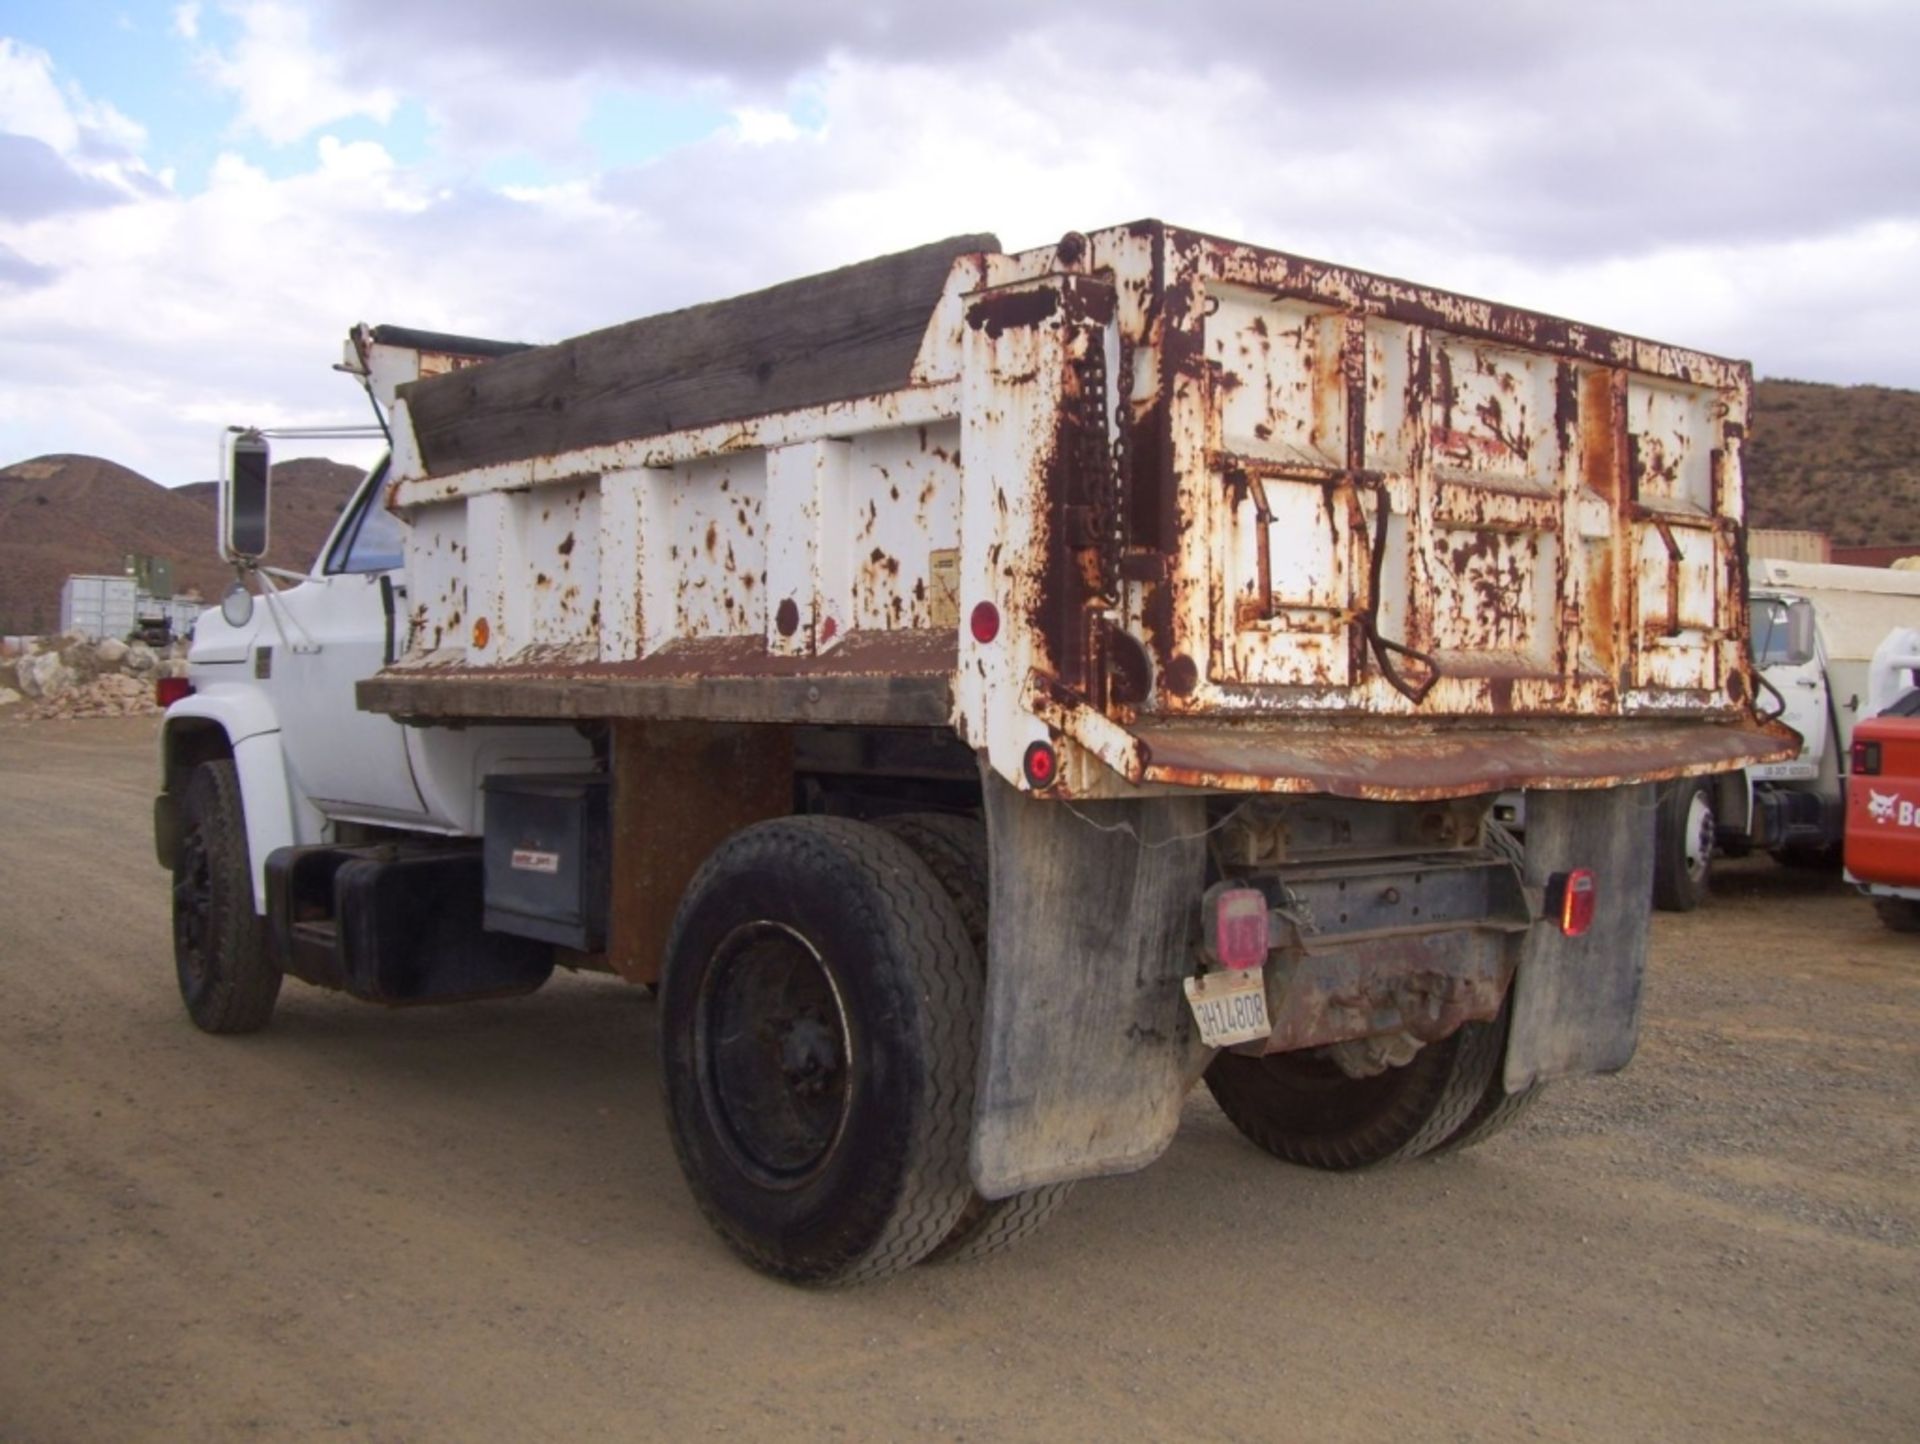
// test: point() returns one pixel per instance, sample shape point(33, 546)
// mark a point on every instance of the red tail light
point(168, 690)
point(985, 622)
point(1237, 926)
point(1570, 900)
point(1866, 758)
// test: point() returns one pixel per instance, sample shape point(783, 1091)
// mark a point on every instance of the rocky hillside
point(1844, 460)
point(62, 515)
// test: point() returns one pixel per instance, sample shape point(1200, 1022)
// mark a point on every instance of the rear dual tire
point(955, 852)
point(819, 1025)
point(1303, 1109)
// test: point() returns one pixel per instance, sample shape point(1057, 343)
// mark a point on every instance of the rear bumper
point(1404, 761)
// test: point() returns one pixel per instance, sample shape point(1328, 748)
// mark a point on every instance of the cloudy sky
point(197, 200)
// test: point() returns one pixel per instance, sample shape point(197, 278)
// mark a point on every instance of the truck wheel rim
point(773, 1047)
point(1699, 835)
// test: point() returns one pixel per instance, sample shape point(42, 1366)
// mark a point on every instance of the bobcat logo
point(1880, 805)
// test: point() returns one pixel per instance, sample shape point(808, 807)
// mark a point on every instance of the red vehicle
point(1883, 813)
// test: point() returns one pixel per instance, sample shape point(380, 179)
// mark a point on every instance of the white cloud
point(61, 147)
point(758, 125)
point(31, 103)
point(186, 21)
point(145, 325)
point(287, 85)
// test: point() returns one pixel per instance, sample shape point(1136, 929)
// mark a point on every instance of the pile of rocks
point(74, 676)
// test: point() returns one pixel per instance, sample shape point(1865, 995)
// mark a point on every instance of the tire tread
point(246, 984)
point(954, 848)
point(895, 897)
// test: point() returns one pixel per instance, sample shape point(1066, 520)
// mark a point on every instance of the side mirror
point(1800, 644)
point(243, 499)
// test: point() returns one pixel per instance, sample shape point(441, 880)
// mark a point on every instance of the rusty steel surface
point(1407, 762)
point(899, 677)
point(1425, 985)
point(711, 781)
point(1201, 489)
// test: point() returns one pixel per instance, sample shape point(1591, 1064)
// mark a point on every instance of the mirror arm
point(298, 638)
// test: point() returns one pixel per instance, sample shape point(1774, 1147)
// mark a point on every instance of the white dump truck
point(986, 694)
point(1815, 630)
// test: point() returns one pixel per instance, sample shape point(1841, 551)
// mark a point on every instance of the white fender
point(253, 732)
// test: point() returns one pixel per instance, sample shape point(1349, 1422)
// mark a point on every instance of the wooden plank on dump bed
point(845, 333)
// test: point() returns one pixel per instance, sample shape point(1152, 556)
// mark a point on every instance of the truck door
point(1786, 650)
point(326, 635)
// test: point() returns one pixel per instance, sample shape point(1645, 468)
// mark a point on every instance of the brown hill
point(66, 515)
point(1844, 460)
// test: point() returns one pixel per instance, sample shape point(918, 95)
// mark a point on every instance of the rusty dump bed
point(1197, 513)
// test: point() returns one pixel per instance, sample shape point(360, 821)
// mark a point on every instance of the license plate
point(1230, 1006)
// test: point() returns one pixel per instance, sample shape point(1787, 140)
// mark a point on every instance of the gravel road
point(466, 1223)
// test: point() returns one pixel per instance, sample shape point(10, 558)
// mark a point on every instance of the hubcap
point(773, 1052)
point(1699, 836)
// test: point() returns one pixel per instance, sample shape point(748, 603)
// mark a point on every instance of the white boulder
point(44, 675)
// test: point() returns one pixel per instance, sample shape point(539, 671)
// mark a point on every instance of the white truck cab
point(273, 672)
point(1815, 627)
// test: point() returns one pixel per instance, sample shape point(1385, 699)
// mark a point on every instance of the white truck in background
point(988, 693)
point(1815, 629)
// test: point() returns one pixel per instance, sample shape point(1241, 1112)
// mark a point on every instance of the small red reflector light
point(1239, 927)
point(1041, 764)
point(1570, 900)
point(985, 622)
point(168, 690)
point(1866, 758)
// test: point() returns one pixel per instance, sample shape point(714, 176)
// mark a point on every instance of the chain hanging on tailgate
point(1105, 457)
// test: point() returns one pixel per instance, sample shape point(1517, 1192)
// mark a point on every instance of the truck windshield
point(374, 539)
point(1772, 636)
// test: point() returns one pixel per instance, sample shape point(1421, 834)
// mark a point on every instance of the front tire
point(819, 1023)
point(227, 978)
point(1683, 847)
point(1303, 1108)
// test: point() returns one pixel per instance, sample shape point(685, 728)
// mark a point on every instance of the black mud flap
point(1088, 1047)
point(1576, 1001)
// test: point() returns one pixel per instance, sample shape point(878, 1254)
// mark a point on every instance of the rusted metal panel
point(709, 781)
point(1407, 761)
point(903, 679)
point(1195, 484)
point(1425, 985)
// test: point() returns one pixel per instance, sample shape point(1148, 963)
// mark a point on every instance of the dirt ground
point(466, 1223)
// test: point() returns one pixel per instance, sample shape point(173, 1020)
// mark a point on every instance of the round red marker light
point(1041, 765)
point(986, 622)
